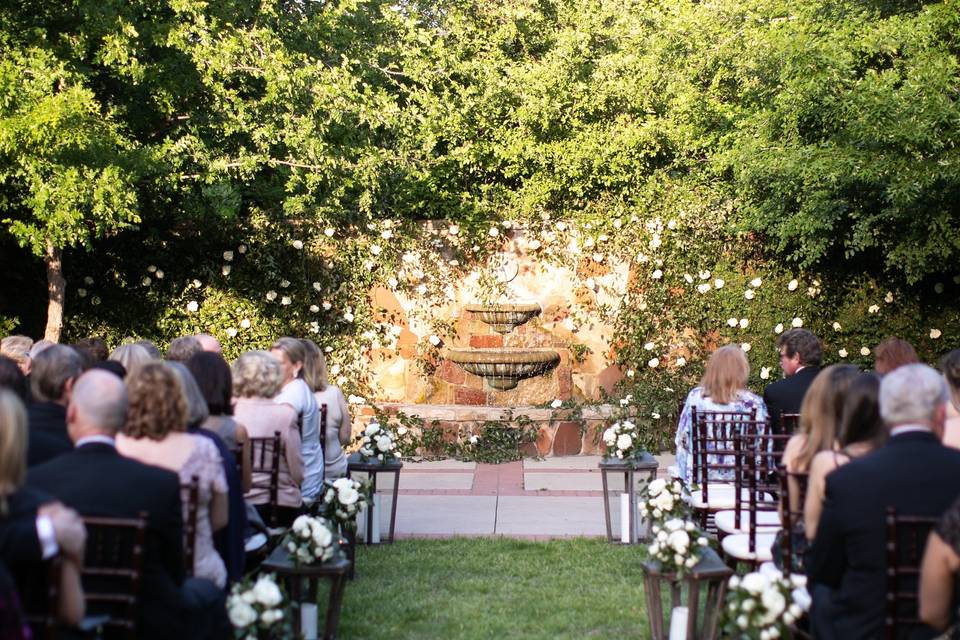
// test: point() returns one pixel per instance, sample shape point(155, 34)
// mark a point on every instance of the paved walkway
point(531, 499)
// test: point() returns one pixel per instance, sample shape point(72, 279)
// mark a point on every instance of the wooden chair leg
point(333, 607)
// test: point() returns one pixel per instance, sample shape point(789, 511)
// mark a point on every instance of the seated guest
point(859, 432)
point(151, 347)
point(113, 367)
point(209, 343)
point(215, 382)
point(12, 379)
point(13, 625)
point(819, 416)
point(228, 541)
point(53, 373)
point(17, 348)
point(33, 527)
point(291, 355)
point(800, 355)
point(155, 434)
point(893, 353)
point(182, 349)
point(256, 379)
point(39, 347)
point(339, 428)
point(131, 356)
point(950, 367)
point(938, 571)
point(96, 348)
point(722, 388)
point(913, 473)
point(96, 481)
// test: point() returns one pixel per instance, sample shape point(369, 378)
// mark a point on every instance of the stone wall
point(569, 297)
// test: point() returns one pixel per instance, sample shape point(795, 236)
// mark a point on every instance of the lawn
point(495, 588)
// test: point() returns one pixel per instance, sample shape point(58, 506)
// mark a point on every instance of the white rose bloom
point(801, 597)
point(778, 328)
point(556, 404)
point(718, 283)
point(731, 322)
point(836, 326)
point(775, 604)
point(749, 294)
point(271, 295)
point(314, 308)
point(375, 249)
point(656, 275)
point(232, 332)
point(228, 255)
point(453, 229)
point(326, 305)
point(935, 334)
point(372, 429)
point(792, 286)
point(285, 300)
point(242, 615)
point(649, 346)
point(704, 275)
point(624, 441)
point(703, 288)
point(664, 501)
point(756, 282)
point(192, 306)
point(874, 308)
point(245, 323)
point(434, 340)
point(656, 486)
point(755, 582)
point(297, 244)
point(764, 373)
point(384, 443)
point(688, 278)
point(744, 323)
point(889, 297)
point(748, 605)
point(796, 323)
point(494, 232)
point(745, 346)
point(322, 536)
point(329, 231)
point(653, 363)
point(864, 351)
point(681, 361)
point(610, 437)
point(842, 353)
point(742, 622)
point(348, 495)
point(267, 592)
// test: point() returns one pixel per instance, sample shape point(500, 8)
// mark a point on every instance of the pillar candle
point(678, 623)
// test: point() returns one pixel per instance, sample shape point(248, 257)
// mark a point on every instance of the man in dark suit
point(97, 481)
point(800, 356)
point(913, 472)
point(52, 375)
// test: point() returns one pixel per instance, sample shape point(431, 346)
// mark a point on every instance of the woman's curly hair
point(157, 402)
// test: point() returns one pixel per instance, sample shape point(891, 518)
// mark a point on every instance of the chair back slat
point(793, 492)
point(323, 427)
point(906, 541)
point(756, 488)
point(789, 422)
point(190, 497)
point(113, 565)
point(265, 463)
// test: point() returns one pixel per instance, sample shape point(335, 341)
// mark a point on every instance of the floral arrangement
point(344, 498)
point(622, 439)
point(310, 540)
point(378, 442)
point(677, 545)
point(663, 501)
point(257, 609)
point(762, 605)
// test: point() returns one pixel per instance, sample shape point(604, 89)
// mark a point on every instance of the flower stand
point(700, 590)
point(335, 569)
point(645, 464)
point(355, 464)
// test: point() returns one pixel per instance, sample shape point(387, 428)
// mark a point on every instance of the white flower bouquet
point(258, 610)
point(378, 442)
point(622, 439)
point(677, 545)
point(343, 499)
point(762, 606)
point(310, 540)
point(662, 501)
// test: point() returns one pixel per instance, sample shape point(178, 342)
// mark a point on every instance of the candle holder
point(645, 464)
point(700, 590)
point(371, 530)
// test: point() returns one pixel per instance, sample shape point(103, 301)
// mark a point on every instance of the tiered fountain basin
point(504, 367)
point(505, 317)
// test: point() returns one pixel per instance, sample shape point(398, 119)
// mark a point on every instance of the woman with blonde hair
point(950, 368)
point(256, 380)
point(156, 434)
point(21, 514)
point(722, 388)
point(338, 428)
point(131, 356)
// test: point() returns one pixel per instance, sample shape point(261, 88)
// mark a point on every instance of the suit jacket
point(19, 546)
point(47, 437)
point(786, 396)
point(913, 473)
point(97, 481)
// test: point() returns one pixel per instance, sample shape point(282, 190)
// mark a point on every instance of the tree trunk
point(56, 293)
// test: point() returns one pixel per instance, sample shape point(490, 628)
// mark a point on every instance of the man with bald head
point(209, 343)
point(97, 481)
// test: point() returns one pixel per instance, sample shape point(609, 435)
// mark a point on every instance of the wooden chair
point(265, 460)
point(756, 462)
point(712, 450)
point(906, 541)
point(793, 497)
point(323, 427)
point(190, 495)
point(738, 519)
point(113, 563)
point(40, 598)
point(789, 422)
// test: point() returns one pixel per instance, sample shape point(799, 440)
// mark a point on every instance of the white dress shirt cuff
point(47, 537)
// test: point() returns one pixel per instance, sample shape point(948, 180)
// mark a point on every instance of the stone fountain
point(504, 367)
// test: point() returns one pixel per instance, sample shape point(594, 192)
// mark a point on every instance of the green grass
point(495, 588)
